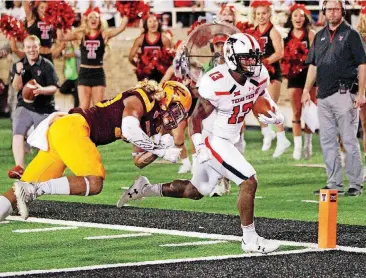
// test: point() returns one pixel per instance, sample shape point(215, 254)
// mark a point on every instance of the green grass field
point(282, 184)
point(283, 187)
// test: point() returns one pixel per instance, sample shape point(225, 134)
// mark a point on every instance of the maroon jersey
point(105, 119)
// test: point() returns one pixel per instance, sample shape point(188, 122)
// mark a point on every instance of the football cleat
point(281, 147)
point(135, 192)
point(25, 193)
point(261, 245)
point(267, 140)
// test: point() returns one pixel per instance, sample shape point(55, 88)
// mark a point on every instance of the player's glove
point(166, 141)
point(275, 119)
point(169, 154)
point(203, 154)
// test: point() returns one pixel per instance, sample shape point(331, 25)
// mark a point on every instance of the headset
point(340, 1)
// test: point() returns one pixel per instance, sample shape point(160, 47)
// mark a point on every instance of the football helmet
point(242, 54)
point(175, 104)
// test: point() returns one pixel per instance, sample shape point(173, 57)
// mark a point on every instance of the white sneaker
point(267, 140)
point(297, 153)
point(281, 147)
point(25, 193)
point(184, 168)
point(308, 151)
point(220, 188)
point(135, 192)
point(261, 245)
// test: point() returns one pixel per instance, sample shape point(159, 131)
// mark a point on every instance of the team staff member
point(33, 66)
point(93, 37)
point(72, 140)
point(270, 39)
point(337, 61)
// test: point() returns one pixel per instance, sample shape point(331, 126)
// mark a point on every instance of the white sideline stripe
point(208, 242)
point(4, 222)
point(117, 236)
point(309, 201)
point(171, 232)
point(43, 229)
point(170, 261)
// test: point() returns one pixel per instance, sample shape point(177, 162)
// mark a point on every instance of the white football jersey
point(231, 100)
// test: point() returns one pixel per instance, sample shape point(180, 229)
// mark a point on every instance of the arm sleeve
point(358, 48)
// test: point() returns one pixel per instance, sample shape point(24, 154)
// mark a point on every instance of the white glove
point(166, 141)
point(203, 154)
point(275, 119)
point(169, 154)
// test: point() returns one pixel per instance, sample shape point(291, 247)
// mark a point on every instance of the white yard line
point(117, 236)
point(208, 242)
point(310, 201)
point(170, 261)
point(310, 247)
point(44, 229)
point(4, 222)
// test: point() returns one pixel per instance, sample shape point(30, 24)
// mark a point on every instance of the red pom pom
point(160, 60)
point(293, 61)
point(12, 27)
point(245, 27)
point(134, 10)
point(59, 14)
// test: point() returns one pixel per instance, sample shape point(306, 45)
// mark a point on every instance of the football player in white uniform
point(231, 89)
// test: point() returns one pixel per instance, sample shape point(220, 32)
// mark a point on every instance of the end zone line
point(169, 261)
point(171, 232)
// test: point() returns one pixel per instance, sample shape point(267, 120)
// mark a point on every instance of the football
point(27, 92)
point(262, 106)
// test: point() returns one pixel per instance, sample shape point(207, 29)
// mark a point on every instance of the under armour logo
point(130, 194)
point(340, 38)
point(92, 46)
point(44, 28)
point(322, 39)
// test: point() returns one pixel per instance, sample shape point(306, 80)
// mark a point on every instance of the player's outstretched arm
point(132, 131)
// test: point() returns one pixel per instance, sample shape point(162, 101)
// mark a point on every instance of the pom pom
point(245, 27)
point(157, 59)
point(12, 27)
point(60, 15)
point(293, 61)
point(134, 10)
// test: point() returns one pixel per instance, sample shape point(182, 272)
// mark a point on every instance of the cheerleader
point(94, 38)
point(300, 36)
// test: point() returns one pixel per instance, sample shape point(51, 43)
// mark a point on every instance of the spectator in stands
point(93, 37)
point(299, 39)
point(32, 66)
point(270, 40)
point(149, 41)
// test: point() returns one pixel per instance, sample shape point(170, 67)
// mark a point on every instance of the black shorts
point(297, 81)
point(69, 87)
point(193, 106)
point(277, 75)
point(91, 77)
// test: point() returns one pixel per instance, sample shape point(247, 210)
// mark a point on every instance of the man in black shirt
point(32, 66)
point(337, 61)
